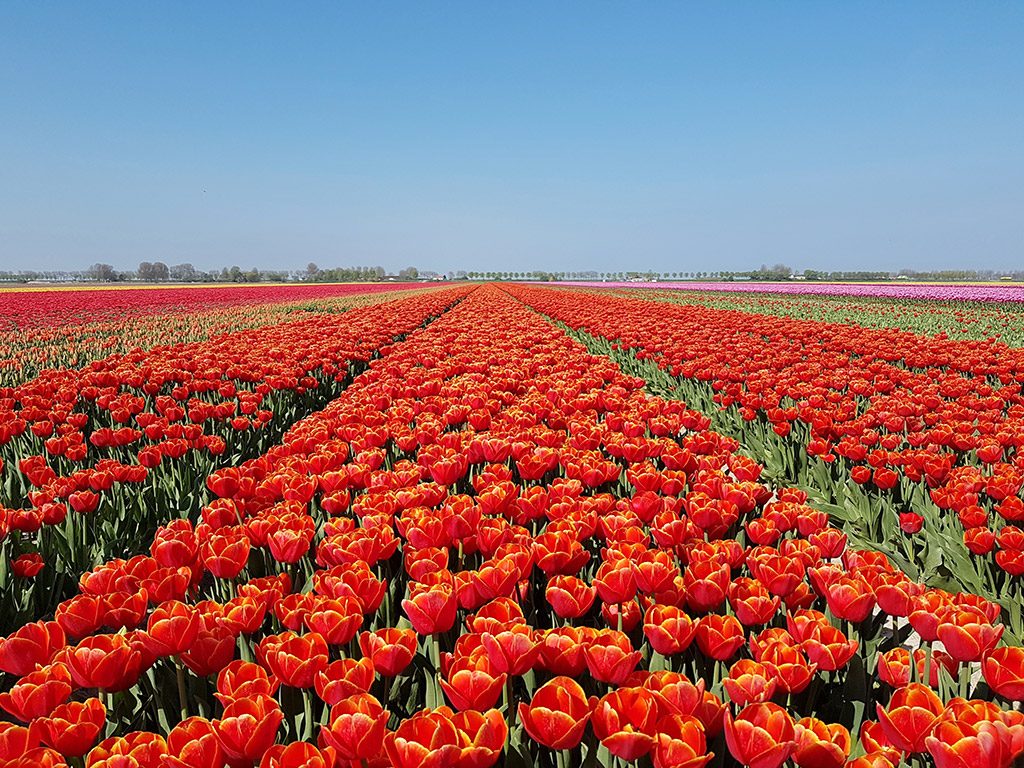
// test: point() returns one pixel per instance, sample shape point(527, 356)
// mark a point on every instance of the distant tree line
point(314, 274)
point(781, 272)
point(159, 272)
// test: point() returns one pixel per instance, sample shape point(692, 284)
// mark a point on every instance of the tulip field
point(47, 328)
point(466, 525)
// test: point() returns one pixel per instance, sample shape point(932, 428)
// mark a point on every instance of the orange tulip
point(193, 743)
point(821, 745)
point(73, 728)
point(557, 715)
point(625, 721)
point(910, 717)
point(954, 744)
point(428, 739)
point(390, 649)
point(38, 693)
point(1004, 672)
point(761, 735)
point(248, 727)
point(680, 743)
point(356, 728)
point(33, 644)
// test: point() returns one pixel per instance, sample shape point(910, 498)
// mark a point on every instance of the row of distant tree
point(159, 272)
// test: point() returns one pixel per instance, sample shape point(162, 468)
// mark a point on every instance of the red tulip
point(850, 599)
point(243, 615)
point(242, 679)
point(299, 754)
point(569, 596)
point(625, 720)
point(248, 727)
point(615, 582)
point(38, 693)
point(820, 745)
point(390, 649)
point(761, 735)
point(926, 614)
point(33, 644)
point(357, 726)
point(911, 522)
point(28, 566)
point(72, 728)
point(668, 629)
point(431, 609)
point(336, 619)
point(471, 684)
point(483, 736)
point(979, 540)
point(225, 555)
point(557, 715)
point(563, 650)
point(137, 748)
point(294, 659)
point(753, 604)
point(343, 678)
point(193, 743)
point(967, 634)
point(15, 740)
point(104, 661)
point(872, 760)
point(910, 716)
point(40, 757)
point(428, 739)
point(211, 651)
point(873, 738)
point(829, 650)
point(954, 744)
point(675, 693)
point(707, 582)
point(749, 682)
point(680, 743)
point(610, 657)
point(513, 651)
point(792, 670)
point(78, 617)
point(172, 628)
point(1003, 669)
point(718, 636)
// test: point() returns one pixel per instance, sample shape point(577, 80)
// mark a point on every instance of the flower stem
point(179, 670)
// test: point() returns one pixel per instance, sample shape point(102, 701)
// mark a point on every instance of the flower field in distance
point(964, 319)
point(504, 524)
point(47, 328)
point(995, 292)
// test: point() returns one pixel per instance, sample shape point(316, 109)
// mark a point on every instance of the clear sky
point(512, 136)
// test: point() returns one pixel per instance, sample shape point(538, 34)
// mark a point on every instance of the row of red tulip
point(95, 458)
point(956, 319)
point(494, 513)
point(71, 327)
point(923, 425)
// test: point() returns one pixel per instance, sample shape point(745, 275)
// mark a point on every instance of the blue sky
point(508, 136)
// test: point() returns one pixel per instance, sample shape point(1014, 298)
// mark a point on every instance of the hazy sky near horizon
point(512, 136)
